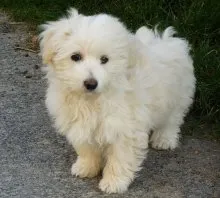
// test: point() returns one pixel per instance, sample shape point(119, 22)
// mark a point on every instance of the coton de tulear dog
point(109, 88)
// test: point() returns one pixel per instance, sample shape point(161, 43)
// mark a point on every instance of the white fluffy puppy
point(108, 88)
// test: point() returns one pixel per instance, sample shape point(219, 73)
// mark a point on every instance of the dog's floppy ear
point(49, 37)
point(47, 50)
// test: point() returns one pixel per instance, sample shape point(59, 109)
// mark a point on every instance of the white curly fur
point(147, 84)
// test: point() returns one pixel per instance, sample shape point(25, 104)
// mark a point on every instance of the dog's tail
point(146, 35)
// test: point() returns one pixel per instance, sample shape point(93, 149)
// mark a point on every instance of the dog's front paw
point(85, 168)
point(113, 185)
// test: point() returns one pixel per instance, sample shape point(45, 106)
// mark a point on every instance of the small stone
point(26, 55)
point(28, 76)
point(16, 45)
point(36, 66)
point(24, 72)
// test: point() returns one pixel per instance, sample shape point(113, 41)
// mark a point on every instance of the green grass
point(196, 20)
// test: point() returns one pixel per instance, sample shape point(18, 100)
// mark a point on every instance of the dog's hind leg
point(165, 138)
point(167, 135)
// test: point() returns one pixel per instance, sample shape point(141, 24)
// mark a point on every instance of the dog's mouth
point(91, 95)
point(89, 92)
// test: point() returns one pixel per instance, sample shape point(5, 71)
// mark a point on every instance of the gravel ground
point(35, 161)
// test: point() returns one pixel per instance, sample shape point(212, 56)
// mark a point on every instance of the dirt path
point(35, 161)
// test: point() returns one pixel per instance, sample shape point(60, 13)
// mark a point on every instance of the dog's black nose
point(90, 84)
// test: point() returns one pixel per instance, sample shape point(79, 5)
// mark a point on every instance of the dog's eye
point(104, 59)
point(76, 57)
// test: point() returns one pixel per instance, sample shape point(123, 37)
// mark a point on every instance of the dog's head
point(86, 53)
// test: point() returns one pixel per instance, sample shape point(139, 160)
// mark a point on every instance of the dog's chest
point(85, 119)
point(99, 121)
point(94, 121)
